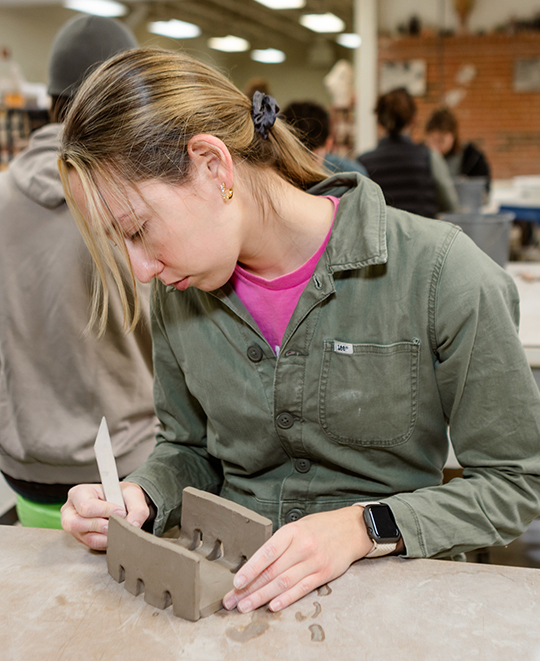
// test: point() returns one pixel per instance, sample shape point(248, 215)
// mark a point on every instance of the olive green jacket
point(406, 327)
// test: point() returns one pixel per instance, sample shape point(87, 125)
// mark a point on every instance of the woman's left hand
point(298, 558)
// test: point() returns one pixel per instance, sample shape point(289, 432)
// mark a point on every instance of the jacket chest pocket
point(368, 392)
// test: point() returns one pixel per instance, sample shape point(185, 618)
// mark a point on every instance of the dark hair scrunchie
point(264, 113)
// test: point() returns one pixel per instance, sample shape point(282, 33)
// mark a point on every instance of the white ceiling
point(261, 26)
point(264, 27)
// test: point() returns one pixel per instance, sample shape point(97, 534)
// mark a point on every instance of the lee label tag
point(343, 347)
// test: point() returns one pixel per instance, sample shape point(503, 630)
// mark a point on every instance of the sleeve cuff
point(409, 527)
point(148, 525)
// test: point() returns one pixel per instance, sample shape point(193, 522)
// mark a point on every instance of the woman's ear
point(211, 158)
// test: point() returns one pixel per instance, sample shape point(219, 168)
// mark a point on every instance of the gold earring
point(226, 193)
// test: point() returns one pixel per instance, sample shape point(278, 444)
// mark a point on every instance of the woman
point(412, 176)
point(309, 347)
point(442, 135)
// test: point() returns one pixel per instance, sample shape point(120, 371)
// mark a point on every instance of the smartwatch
point(381, 527)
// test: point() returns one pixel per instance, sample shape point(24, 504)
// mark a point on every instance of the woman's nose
point(144, 268)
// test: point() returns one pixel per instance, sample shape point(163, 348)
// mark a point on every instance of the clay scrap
point(195, 571)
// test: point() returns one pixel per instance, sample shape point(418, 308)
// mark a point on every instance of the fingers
point(298, 558)
point(263, 558)
point(91, 532)
point(137, 509)
point(273, 559)
point(89, 502)
point(86, 513)
point(298, 591)
point(289, 583)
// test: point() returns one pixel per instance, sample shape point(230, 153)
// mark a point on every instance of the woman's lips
point(182, 285)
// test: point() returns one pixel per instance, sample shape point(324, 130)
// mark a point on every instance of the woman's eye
point(138, 234)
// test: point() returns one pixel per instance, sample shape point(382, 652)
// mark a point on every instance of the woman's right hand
point(86, 513)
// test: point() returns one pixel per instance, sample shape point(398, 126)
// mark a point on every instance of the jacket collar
point(358, 240)
point(359, 234)
point(392, 139)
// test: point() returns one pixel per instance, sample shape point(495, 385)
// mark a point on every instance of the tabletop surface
point(58, 602)
point(527, 278)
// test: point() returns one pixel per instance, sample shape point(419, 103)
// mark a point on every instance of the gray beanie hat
point(80, 45)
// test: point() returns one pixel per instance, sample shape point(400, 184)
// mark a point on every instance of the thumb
point(135, 502)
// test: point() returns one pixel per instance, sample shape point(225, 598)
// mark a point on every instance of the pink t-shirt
point(272, 302)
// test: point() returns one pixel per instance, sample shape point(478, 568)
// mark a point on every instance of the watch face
point(381, 524)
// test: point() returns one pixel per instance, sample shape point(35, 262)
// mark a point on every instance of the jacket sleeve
point(180, 457)
point(447, 199)
point(492, 405)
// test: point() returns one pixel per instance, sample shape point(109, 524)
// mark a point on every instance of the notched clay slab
point(195, 571)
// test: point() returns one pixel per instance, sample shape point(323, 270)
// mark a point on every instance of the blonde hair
point(131, 121)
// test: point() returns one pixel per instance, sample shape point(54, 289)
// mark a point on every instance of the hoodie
point(56, 382)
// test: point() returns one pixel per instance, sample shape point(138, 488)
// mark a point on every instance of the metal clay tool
point(107, 466)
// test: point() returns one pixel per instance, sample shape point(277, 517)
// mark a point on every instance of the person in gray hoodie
point(56, 380)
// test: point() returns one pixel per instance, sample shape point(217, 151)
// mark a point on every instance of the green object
point(404, 328)
point(38, 515)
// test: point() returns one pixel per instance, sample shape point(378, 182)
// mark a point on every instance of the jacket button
point(255, 353)
point(284, 420)
point(294, 515)
point(302, 465)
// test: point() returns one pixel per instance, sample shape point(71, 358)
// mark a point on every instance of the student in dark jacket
point(312, 122)
point(442, 134)
point(412, 176)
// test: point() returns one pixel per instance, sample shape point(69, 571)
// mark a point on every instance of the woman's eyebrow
point(133, 224)
point(124, 216)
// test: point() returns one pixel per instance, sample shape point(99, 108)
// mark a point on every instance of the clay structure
point(195, 571)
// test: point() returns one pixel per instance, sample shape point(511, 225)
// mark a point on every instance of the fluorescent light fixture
point(97, 7)
point(268, 56)
point(283, 4)
point(175, 29)
point(322, 22)
point(349, 39)
point(229, 44)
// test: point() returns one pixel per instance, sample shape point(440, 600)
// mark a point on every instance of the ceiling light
point(322, 22)
point(268, 56)
point(349, 39)
point(283, 4)
point(175, 29)
point(97, 7)
point(229, 44)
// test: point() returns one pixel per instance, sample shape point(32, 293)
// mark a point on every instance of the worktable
point(59, 603)
point(527, 278)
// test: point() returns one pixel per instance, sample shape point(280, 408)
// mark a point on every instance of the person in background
point(312, 122)
point(412, 176)
point(56, 381)
point(312, 345)
point(465, 160)
point(256, 84)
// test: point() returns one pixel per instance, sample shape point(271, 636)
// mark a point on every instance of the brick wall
point(505, 124)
